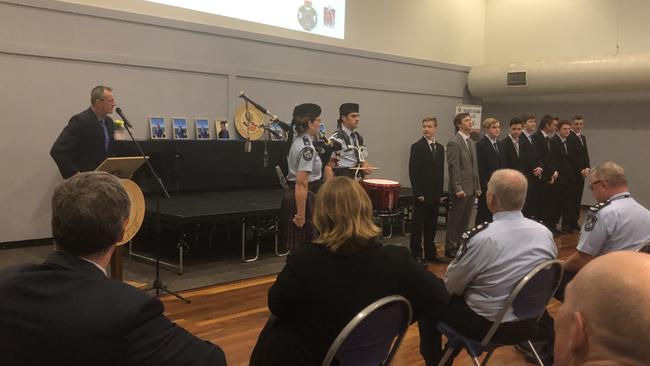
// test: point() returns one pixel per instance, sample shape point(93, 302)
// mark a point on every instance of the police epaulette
point(475, 230)
point(599, 206)
point(305, 139)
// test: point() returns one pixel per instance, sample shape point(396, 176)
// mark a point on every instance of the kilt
point(291, 235)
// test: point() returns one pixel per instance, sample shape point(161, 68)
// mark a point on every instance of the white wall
point(449, 31)
point(53, 53)
point(525, 30)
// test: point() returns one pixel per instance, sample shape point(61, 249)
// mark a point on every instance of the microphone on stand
point(126, 121)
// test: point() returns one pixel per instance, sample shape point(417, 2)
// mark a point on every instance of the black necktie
point(565, 150)
point(433, 150)
point(496, 148)
point(548, 144)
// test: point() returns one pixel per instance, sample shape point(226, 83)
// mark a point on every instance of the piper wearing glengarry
point(305, 173)
point(353, 153)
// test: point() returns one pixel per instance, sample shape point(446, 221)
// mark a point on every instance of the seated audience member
point(617, 222)
point(66, 311)
point(492, 259)
point(605, 318)
point(326, 283)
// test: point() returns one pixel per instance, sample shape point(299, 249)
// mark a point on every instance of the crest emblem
point(590, 221)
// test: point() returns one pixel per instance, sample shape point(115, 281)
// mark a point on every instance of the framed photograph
point(157, 128)
point(179, 126)
point(278, 130)
point(202, 126)
point(221, 129)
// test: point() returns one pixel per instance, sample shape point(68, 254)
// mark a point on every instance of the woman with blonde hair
point(324, 284)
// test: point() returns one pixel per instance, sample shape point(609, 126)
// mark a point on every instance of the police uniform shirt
point(348, 157)
point(619, 224)
point(303, 158)
point(490, 264)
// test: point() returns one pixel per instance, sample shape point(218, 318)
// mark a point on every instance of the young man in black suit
point(87, 139)
point(579, 141)
point(531, 207)
point(489, 160)
point(426, 171)
point(66, 311)
point(566, 156)
point(542, 144)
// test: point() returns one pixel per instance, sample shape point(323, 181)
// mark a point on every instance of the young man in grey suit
point(464, 184)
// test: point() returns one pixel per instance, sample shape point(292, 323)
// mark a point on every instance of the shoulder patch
point(306, 141)
point(307, 154)
point(590, 221)
point(464, 239)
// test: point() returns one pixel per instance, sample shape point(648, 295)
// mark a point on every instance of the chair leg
point(532, 348)
point(446, 356)
point(475, 360)
point(487, 358)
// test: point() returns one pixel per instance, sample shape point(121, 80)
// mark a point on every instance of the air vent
point(516, 78)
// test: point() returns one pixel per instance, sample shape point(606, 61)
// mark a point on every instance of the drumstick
point(364, 168)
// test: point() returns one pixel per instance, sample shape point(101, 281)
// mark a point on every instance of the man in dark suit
point(463, 181)
point(87, 139)
point(542, 144)
point(579, 141)
point(565, 155)
point(426, 170)
point(66, 311)
point(531, 207)
point(518, 153)
point(489, 160)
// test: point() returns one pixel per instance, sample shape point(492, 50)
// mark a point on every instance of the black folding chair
point(373, 336)
point(528, 300)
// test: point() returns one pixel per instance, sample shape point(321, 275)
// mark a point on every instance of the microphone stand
point(157, 282)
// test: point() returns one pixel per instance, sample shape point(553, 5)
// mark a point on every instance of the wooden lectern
point(123, 168)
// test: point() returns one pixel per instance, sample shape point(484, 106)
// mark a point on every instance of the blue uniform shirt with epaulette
point(351, 147)
point(304, 158)
point(619, 223)
point(493, 257)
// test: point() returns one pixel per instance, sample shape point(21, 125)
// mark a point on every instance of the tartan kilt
point(289, 233)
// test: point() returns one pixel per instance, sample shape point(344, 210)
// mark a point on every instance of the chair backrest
point(373, 336)
point(529, 298)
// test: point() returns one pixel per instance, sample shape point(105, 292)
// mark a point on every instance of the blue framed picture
point(157, 128)
point(202, 126)
point(179, 126)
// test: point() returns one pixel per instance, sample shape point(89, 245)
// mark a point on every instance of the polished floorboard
point(232, 315)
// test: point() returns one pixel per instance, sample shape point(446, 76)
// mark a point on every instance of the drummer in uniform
point(353, 152)
point(305, 177)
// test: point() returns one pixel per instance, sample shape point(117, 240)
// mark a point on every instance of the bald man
point(491, 260)
point(594, 326)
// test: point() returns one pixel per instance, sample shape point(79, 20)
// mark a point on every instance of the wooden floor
point(232, 315)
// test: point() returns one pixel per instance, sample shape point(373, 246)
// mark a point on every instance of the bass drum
point(383, 193)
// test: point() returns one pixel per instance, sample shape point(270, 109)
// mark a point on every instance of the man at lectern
point(86, 141)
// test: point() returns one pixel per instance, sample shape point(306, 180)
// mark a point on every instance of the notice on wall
point(474, 111)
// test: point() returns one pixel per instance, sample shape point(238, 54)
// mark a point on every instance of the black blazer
point(527, 159)
point(318, 292)
point(543, 150)
point(582, 159)
point(427, 175)
point(488, 161)
point(80, 146)
point(66, 312)
point(566, 161)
